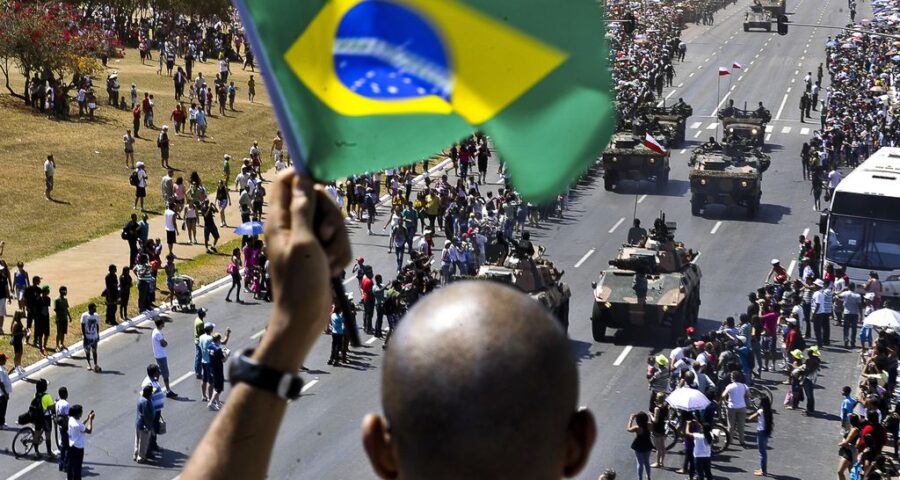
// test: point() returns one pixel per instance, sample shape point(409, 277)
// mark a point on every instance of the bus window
point(882, 249)
point(846, 238)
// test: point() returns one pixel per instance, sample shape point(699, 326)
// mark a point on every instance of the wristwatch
point(244, 369)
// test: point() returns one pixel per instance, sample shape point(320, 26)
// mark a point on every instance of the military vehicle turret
point(757, 18)
point(628, 158)
point(535, 276)
point(749, 125)
point(775, 7)
point(728, 174)
point(651, 284)
point(672, 119)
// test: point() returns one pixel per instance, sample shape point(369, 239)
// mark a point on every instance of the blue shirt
point(744, 356)
point(337, 324)
point(144, 412)
point(159, 396)
point(847, 406)
point(204, 343)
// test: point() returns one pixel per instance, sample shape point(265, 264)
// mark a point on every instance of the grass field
point(92, 193)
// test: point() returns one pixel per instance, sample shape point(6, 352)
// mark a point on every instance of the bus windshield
point(863, 243)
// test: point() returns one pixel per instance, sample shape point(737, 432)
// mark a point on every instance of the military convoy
point(535, 276)
point(651, 284)
point(745, 125)
point(758, 19)
point(728, 174)
point(627, 158)
point(775, 7)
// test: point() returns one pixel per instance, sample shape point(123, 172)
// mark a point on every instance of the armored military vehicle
point(672, 119)
point(627, 158)
point(652, 284)
point(774, 7)
point(728, 174)
point(757, 19)
point(537, 277)
point(746, 125)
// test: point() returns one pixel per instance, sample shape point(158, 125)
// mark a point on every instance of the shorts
point(164, 153)
point(48, 183)
point(393, 320)
point(129, 150)
point(218, 383)
point(20, 293)
point(163, 364)
point(223, 204)
point(170, 236)
point(90, 342)
point(2, 307)
point(140, 192)
point(62, 327)
point(206, 372)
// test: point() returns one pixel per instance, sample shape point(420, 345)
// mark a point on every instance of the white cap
point(819, 283)
point(775, 261)
point(165, 127)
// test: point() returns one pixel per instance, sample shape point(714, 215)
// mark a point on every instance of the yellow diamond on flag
point(382, 57)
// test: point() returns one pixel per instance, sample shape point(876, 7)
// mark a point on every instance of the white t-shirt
point(170, 220)
point(49, 168)
point(736, 392)
point(76, 433)
point(62, 407)
point(157, 337)
point(142, 178)
point(701, 446)
point(760, 421)
point(91, 325)
point(818, 299)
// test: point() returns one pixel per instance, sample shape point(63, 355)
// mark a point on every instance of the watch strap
point(244, 369)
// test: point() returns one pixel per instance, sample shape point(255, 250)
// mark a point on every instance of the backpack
point(134, 180)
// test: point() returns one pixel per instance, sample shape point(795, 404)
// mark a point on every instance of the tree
point(47, 39)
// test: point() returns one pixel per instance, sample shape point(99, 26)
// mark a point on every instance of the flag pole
point(718, 85)
point(295, 146)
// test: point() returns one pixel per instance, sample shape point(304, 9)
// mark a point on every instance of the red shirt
point(366, 288)
point(178, 115)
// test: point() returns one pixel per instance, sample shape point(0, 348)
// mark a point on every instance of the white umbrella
point(688, 399)
point(885, 318)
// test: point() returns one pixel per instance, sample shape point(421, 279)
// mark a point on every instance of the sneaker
point(204, 399)
point(171, 394)
point(212, 406)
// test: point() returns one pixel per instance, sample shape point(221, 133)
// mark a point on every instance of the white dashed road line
point(643, 197)
point(621, 357)
point(715, 228)
point(613, 229)
point(585, 257)
point(21, 473)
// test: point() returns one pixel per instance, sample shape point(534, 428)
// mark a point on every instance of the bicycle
point(721, 440)
point(24, 442)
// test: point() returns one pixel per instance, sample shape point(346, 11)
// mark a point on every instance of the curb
point(109, 332)
point(164, 308)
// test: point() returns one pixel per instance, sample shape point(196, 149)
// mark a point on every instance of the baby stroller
point(183, 287)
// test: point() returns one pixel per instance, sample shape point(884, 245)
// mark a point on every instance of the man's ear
point(581, 435)
point(376, 439)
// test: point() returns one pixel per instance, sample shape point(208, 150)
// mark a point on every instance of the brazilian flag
point(363, 85)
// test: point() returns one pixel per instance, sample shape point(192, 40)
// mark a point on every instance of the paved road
point(320, 437)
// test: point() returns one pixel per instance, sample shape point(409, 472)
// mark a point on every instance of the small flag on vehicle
point(737, 66)
point(653, 144)
point(723, 72)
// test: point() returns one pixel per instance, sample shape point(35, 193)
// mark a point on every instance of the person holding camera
point(77, 432)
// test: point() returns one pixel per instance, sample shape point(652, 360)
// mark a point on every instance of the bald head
point(480, 382)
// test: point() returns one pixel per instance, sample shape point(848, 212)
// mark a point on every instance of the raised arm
point(239, 443)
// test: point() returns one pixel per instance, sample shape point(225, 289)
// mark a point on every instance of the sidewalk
point(82, 268)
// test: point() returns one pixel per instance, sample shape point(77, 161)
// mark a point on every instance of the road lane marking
point(371, 340)
point(309, 385)
point(768, 136)
point(804, 131)
point(698, 133)
point(786, 130)
point(613, 229)
point(796, 72)
point(643, 197)
point(715, 228)
point(696, 124)
point(696, 257)
point(805, 232)
point(789, 90)
point(257, 334)
point(740, 78)
point(791, 267)
point(714, 125)
point(793, 80)
point(691, 75)
point(683, 150)
point(781, 108)
point(349, 280)
point(670, 94)
point(622, 356)
point(769, 128)
point(589, 253)
point(182, 378)
point(732, 88)
point(680, 84)
point(21, 473)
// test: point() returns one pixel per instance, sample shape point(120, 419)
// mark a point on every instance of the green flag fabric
point(363, 85)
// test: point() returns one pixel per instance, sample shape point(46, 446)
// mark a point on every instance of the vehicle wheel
point(608, 182)
point(598, 323)
point(753, 209)
point(694, 310)
point(673, 435)
point(720, 438)
point(695, 205)
point(769, 27)
point(562, 314)
point(23, 442)
point(662, 180)
point(677, 320)
point(746, 28)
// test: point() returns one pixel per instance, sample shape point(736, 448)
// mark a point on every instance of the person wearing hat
point(821, 307)
point(777, 274)
point(359, 268)
point(139, 181)
point(162, 142)
point(659, 380)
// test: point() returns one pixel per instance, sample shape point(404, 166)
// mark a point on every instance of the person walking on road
point(639, 425)
point(198, 332)
point(159, 345)
point(5, 391)
point(143, 425)
point(735, 397)
point(90, 330)
point(205, 340)
point(158, 398)
point(763, 417)
point(234, 270)
point(337, 336)
point(218, 355)
point(61, 419)
point(77, 431)
point(702, 448)
point(804, 106)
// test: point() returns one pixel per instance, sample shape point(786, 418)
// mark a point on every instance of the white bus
point(863, 221)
